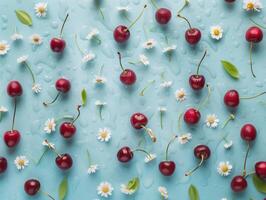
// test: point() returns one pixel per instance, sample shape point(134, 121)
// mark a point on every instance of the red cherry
point(121, 34)
point(14, 89)
point(12, 138)
point(248, 132)
point(260, 169)
point(239, 184)
point(167, 168)
point(125, 154)
point(138, 120)
point(64, 161)
point(63, 85)
point(254, 34)
point(231, 98)
point(230, 1)
point(193, 36)
point(163, 15)
point(32, 187)
point(128, 77)
point(57, 45)
point(3, 165)
point(202, 152)
point(192, 116)
point(197, 82)
point(67, 129)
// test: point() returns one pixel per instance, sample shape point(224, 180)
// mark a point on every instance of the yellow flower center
point(181, 95)
point(216, 32)
point(105, 189)
point(211, 120)
point(250, 5)
point(35, 39)
point(2, 47)
point(41, 10)
point(224, 168)
point(21, 162)
point(104, 134)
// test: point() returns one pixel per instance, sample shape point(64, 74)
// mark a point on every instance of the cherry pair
point(33, 186)
point(128, 76)
point(126, 154)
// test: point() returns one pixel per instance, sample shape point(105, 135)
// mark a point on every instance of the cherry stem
point(245, 161)
point(197, 167)
point(134, 22)
point(77, 44)
point(257, 23)
point(144, 151)
point(154, 4)
point(75, 119)
point(30, 70)
point(54, 100)
point(204, 55)
point(168, 145)
point(150, 133)
point(48, 195)
point(250, 59)
point(101, 12)
point(206, 99)
point(231, 117)
point(44, 152)
point(250, 173)
point(253, 97)
point(61, 31)
point(178, 15)
point(14, 113)
point(65, 117)
point(89, 157)
point(146, 87)
point(120, 61)
point(183, 7)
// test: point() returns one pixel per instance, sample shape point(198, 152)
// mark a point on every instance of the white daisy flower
point(21, 162)
point(41, 9)
point(50, 125)
point(166, 84)
point(123, 8)
point(16, 36)
point(48, 144)
point(216, 32)
point(93, 33)
point(36, 39)
point(144, 60)
point(4, 47)
point(185, 138)
point(163, 191)
point(224, 168)
point(36, 88)
point(99, 79)
point(169, 49)
point(252, 5)
point(100, 103)
point(223, 198)
point(149, 158)
point(124, 189)
point(88, 57)
point(104, 134)
point(92, 169)
point(180, 95)
point(22, 59)
point(212, 121)
point(149, 44)
point(228, 144)
point(3, 109)
point(105, 189)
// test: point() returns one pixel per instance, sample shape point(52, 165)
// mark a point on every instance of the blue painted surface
point(122, 102)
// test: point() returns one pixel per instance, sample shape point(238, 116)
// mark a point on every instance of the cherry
point(163, 15)
point(260, 168)
point(192, 35)
point(125, 154)
point(58, 44)
point(253, 35)
point(128, 76)
point(12, 138)
point(231, 98)
point(14, 89)
point(197, 81)
point(167, 167)
point(230, 1)
point(139, 121)
point(32, 187)
point(62, 85)
point(239, 184)
point(192, 116)
point(3, 165)
point(201, 152)
point(248, 132)
point(64, 161)
point(122, 33)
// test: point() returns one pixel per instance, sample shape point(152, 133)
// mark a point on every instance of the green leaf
point(63, 188)
point(259, 184)
point(193, 193)
point(230, 69)
point(133, 184)
point(24, 17)
point(84, 97)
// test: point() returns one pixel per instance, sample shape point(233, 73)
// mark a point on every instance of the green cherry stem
point(75, 119)
point(168, 145)
point(150, 133)
point(154, 4)
point(120, 61)
point(204, 55)
point(62, 28)
point(101, 13)
point(184, 18)
point(179, 121)
point(146, 87)
point(206, 99)
point(48, 195)
point(54, 100)
point(41, 157)
point(253, 97)
point(31, 72)
point(186, 2)
point(250, 59)
point(230, 118)
point(249, 174)
point(264, 27)
point(142, 150)
point(135, 21)
point(14, 114)
point(198, 166)
point(69, 117)
point(245, 161)
point(78, 46)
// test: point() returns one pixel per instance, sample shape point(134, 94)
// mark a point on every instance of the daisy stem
point(120, 61)
point(178, 15)
point(98, 40)
point(134, 22)
point(253, 97)
point(62, 28)
point(75, 119)
point(179, 121)
point(89, 157)
point(154, 4)
point(231, 117)
point(264, 27)
point(204, 55)
point(250, 59)
point(101, 13)
point(48, 195)
point(77, 44)
point(183, 7)
point(168, 145)
point(146, 87)
point(44, 152)
point(206, 99)
point(31, 72)
point(100, 112)
point(14, 113)
point(0, 116)
point(161, 119)
point(245, 161)
point(54, 100)
point(197, 167)
point(127, 18)
point(150, 133)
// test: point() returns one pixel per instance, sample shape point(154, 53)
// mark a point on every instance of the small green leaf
point(230, 69)
point(63, 188)
point(193, 193)
point(133, 184)
point(84, 97)
point(24, 17)
point(259, 184)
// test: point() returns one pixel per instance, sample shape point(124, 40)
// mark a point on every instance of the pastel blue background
point(122, 102)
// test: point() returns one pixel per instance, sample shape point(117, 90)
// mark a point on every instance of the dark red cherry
point(138, 120)
point(163, 15)
point(57, 45)
point(12, 138)
point(3, 165)
point(14, 89)
point(121, 34)
point(202, 152)
point(67, 129)
point(260, 169)
point(239, 184)
point(231, 98)
point(167, 168)
point(64, 161)
point(128, 77)
point(230, 1)
point(193, 36)
point(192, 116)
point(254, 34)
point(63, 85)
point(32, 187)
point(197, 82)
point(248, 132)
point(125, 154)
